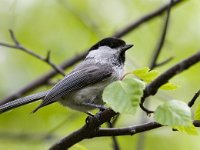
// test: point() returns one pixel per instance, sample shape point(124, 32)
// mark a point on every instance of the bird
point(83, 87)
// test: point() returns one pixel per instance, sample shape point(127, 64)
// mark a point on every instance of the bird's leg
point(100, 107)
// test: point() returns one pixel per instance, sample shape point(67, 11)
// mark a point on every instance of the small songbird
point(82, 88)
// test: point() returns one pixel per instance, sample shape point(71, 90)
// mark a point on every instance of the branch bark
point(194, 98)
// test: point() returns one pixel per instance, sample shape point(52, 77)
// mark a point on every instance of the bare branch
point(145, 18)
point(134, 129)
point(164, 62)
point(18, 46)
point(114, 139)
point(48, 56)
point(12, 35)
point(153, 87)
point(160, 45)
point(192, 101)
point(128, 131)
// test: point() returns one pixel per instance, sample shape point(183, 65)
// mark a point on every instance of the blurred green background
point(68, 27)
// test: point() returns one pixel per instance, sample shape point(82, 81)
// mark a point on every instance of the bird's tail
point(22, 101)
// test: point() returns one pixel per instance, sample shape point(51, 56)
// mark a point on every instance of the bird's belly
point(90, 94)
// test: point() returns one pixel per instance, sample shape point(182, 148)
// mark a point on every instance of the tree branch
point(114, 139)
point(18, 46)
point(164, 62)
point(160, 45)
point(145, 18)
point(192, 101)
point(68, 63)
point(153, 87)
point(91, 130)
point(134, 129)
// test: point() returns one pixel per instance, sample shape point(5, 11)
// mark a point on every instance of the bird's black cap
point(110, 42)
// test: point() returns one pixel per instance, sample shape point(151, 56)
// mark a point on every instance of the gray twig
point(19, 46)
point(192, 101)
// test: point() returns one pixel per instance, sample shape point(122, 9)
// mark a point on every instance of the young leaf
point(173, 113)
point(148, 75)
point(141, 72)
point(151, 75)
point(169, 86)
point(191, 129)
point(124, 96)
point(145, 74)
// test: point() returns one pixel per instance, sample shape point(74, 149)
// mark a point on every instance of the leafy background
point(67, 27)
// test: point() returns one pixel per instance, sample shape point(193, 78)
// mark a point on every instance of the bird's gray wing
point(76, 80)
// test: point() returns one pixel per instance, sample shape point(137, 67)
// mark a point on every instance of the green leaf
point(173, 113)
point(124, 96)
point(148, 75)
point(197, 113)
point(191, 129)
point(141, 72)
point(151, 75)
point(169, 86)
point(145, 74)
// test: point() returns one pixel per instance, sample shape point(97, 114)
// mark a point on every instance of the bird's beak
point(126, 47)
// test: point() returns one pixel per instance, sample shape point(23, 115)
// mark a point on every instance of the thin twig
point(192, 101)
point(19, 46)
point(114, 139)
point(160, 45)
point(164, 62)
point(134, 129)
point(68, 63)
point(145, 18)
